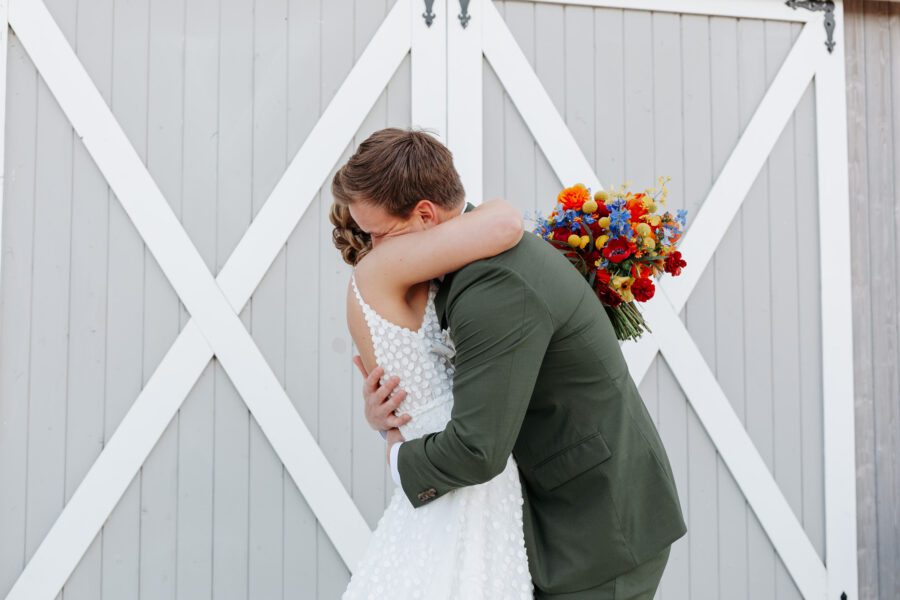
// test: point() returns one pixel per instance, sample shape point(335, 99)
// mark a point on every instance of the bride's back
point(421, 359)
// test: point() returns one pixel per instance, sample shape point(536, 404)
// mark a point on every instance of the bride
point(469, 542)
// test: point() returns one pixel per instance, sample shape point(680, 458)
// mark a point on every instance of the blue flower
point(620, 222)
point(681, 216)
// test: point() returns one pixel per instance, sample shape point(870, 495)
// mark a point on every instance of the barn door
point(593, 90)
point(214, 300)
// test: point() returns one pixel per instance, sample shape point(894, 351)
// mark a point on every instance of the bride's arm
point(410, 258)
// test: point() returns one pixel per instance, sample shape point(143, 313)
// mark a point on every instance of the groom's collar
point(440, 299)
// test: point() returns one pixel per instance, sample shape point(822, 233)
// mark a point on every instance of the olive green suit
point(539, 374)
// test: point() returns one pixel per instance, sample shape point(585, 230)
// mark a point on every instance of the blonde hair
point(352, 242)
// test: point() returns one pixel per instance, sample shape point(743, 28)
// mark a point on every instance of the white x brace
point(214, 303)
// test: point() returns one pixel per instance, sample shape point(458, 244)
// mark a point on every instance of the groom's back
point(600, 497)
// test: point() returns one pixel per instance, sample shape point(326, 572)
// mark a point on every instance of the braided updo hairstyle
point(351, 241)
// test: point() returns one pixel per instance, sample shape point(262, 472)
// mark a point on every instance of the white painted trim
point(215, 325)
point(737, 449)
point(837, 318)
point(428, 69)
point(4, 50)
point(534, 104)
point(696, 379)
point(733, 183)
point(772, 10)
point(465, 97)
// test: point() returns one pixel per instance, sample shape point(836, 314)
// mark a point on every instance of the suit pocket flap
point(569, 462)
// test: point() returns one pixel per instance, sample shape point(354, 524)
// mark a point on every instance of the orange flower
point(573, 198)
point(637, 209)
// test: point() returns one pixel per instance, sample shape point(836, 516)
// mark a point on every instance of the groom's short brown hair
point(395, 169)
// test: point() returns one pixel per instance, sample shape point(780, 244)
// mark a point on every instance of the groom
point(539, 374)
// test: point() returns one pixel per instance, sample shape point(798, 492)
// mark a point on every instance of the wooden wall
point(216, 97)
point(648, 94)
point(873, 105)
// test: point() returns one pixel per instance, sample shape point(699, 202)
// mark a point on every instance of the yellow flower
point(603, 222)
point(601, 241)
point(654, 220)
point(574, 240)
point(601, 196)
point(642, 229)
point(590, 206)
point(649, 204)
point(585, 240)
point(649, 243)
point(622, 285)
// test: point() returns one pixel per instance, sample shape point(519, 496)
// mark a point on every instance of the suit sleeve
point(501, 330)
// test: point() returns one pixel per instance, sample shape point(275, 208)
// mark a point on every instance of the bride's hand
point(379, 404)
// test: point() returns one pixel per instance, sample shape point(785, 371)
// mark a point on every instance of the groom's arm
point(501, 330)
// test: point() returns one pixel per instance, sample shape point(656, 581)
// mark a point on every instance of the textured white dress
point(467, 544)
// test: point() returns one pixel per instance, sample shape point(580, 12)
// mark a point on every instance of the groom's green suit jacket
point(539, 374)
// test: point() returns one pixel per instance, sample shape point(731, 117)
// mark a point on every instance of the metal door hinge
point(824, 5)
point(428, 15)
point(464, 16)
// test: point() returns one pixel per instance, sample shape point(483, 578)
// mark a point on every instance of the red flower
point(602, 210)
point(603, 276)
point(642, 289)
point(607, 295)
point(562, 234)
point(674, 263)
point(618, 250)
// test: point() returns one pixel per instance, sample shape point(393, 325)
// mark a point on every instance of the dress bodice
point(422, 361)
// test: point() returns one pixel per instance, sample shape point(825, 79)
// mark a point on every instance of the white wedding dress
point(467, 544)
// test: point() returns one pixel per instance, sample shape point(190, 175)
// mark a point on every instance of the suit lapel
point(440, 299)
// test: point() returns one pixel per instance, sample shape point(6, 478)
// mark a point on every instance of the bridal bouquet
point(619, 242)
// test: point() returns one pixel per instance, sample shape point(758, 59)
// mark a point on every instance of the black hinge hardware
point(428, 15)
point(464, 16)
point(824, 5)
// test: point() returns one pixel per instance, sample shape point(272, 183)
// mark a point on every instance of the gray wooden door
point(179, 416)
point(749, 369)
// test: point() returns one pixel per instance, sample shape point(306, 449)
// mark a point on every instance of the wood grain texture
point(873, 73)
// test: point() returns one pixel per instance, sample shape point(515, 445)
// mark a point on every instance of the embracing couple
point(525, 461)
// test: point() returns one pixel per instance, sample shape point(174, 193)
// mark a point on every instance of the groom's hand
point(379, 403)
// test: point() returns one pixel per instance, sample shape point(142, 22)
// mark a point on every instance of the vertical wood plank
point(519, 149)
point(368, 460)
point(302, 272)
point(549, 61)
point(784, 316)
point(15, 306)
point(861, 290)
point(335, 392)
point(125, 297)
point(678, 426)
point(162, 313)
point(196, 418)
point(693, 82)
point(49, 308)
point(883, 272)
point(268, 307)
point(753, 82)
point(609, 48)
point(234, 210)
point(725, 128)
point(87, 335)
